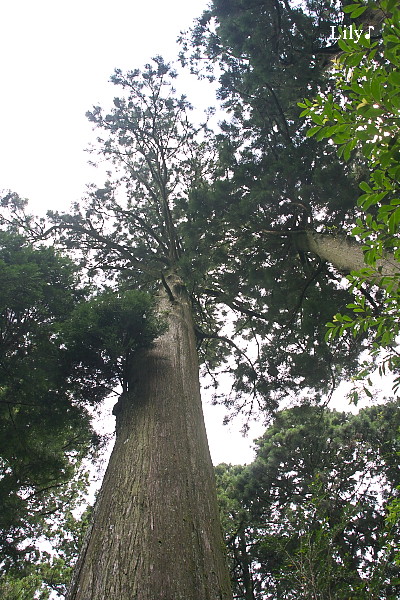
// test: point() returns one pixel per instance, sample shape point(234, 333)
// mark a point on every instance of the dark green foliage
point(104, 333)
point(45, 573)
point(43, 433)
point(307, 518)
point(269, 56)
point(59, 354)
point(271, 182)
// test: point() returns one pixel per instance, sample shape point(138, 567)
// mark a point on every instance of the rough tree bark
point(345, 254)
point(156, 533)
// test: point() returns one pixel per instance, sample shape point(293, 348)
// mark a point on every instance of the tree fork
point(156, 533)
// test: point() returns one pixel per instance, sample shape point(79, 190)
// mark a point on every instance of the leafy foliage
point(307, 518)
point(104, 333)
point(222, 213)
point(363, 116)
point(59, 354)
point(43, 433)
point(279, 183)
point(45, 573)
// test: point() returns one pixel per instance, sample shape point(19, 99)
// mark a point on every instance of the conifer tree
point(234, 229)
point(306, 519)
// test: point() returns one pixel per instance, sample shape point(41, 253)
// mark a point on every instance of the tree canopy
point(306, 519)
point(180, 199)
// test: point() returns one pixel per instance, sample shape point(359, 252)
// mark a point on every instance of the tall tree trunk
point(345, 254)
point(156, 533)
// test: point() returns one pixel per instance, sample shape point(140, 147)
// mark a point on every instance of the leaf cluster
point(363, 116)
point(307, 517)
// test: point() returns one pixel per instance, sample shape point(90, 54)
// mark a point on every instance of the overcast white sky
point(56, 58)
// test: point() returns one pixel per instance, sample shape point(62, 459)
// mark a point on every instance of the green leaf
point(394, 222)
point(365, 187)
point(343, 45)
point(394, 78)
point(313, 130)
point(354, 58)
point(357, 11)
point(350, 8)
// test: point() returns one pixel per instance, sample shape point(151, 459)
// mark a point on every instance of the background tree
point(44, 434)
point(49, 380)
point(46, 574)
point(307, 518)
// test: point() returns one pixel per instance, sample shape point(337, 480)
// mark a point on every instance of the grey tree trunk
point(345, 254)
point(156, 533)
